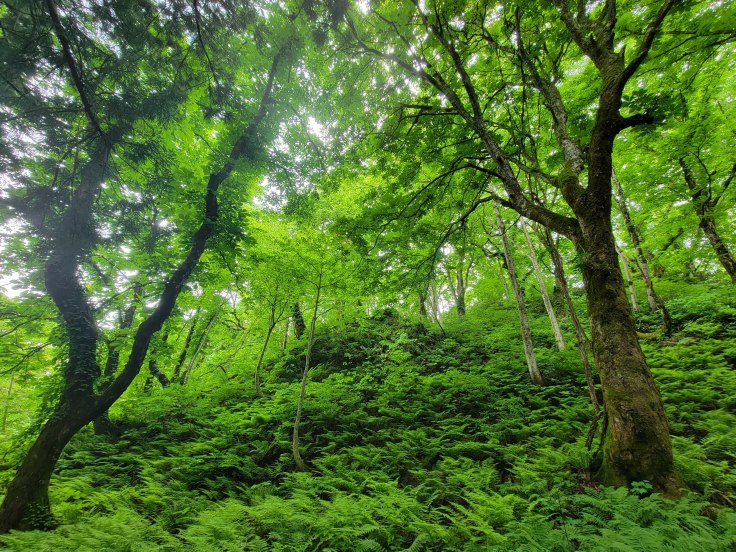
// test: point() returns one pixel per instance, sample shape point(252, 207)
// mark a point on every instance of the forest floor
point(415, 440)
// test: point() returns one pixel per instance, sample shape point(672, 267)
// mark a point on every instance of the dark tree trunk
point(637, 444)
point(299, 325)
point(26, 505)
point(157, 373)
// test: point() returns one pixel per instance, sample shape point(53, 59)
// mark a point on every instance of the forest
point(371, 275)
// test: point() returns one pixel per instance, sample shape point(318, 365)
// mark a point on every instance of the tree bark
point(526, 334)
point(298, 319)
point(257, 378)
point(704, 210)
point(637, 444)
point(559, 338)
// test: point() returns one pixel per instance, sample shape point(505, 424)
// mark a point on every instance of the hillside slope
point(415, 440)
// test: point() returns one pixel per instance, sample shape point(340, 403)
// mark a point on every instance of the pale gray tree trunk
point(559, 338)
point(526, 334)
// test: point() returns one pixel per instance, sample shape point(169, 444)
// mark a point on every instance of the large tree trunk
point(559, 338)
point(637, 444)
point(526, 333)
point(26, 504)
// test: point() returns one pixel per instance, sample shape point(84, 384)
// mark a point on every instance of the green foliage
point(415, 440)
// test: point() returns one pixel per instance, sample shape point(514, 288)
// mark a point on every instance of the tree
point(489, 70)
point(99, 130)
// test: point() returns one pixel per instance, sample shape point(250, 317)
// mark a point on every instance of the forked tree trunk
point(26, 502)
point(526, 333)
point(559, 338)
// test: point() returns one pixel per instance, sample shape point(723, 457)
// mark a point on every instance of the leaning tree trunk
point(257, 378)
point(559, 338)
point(655, 303)
point(298, 460)
point(580, 339)
point(703, 209)
point(26, 502)
point(629, 279)
point(526, 333)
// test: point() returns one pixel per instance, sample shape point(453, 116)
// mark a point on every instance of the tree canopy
point(325, 216)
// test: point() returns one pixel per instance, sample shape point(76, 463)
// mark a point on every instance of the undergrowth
point(415, 440)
